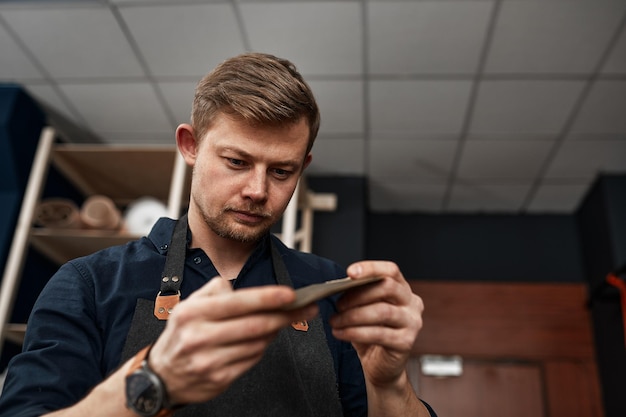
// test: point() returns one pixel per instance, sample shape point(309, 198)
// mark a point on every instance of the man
point(219, 339)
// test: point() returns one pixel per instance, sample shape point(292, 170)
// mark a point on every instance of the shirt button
point(197, 260)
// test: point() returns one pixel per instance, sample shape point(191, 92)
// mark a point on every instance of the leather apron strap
point(295, 377)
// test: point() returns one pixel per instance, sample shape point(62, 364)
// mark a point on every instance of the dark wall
point(527, 248)
point(21, 121)
point(341, 235)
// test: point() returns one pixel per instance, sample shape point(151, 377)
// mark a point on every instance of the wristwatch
point(145, 391)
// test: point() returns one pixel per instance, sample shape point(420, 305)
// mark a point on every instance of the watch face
point(144, 393)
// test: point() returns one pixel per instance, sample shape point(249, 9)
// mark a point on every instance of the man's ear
point(307, 161)
point(187, 143)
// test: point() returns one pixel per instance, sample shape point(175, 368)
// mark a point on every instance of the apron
point(295, 377)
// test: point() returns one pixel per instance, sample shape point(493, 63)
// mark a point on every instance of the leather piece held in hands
point(311, 293)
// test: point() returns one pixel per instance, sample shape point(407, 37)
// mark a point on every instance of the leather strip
point(172, 277)
point(282, 276)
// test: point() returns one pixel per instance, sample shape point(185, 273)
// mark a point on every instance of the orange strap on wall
point(620, 284)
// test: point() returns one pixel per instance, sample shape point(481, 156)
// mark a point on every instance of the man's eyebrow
point(238, 151)
point(292, 163)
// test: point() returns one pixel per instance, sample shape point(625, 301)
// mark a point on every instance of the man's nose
point(256, 186)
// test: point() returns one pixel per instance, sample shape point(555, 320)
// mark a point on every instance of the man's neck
point(227, 255)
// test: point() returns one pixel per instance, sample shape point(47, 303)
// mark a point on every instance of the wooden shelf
point(61, 245)
point(121, 172)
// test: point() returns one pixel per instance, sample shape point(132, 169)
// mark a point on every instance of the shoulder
point(120, 268)
point(136, 251)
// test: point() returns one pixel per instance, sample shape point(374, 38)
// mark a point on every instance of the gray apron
point(294, 378)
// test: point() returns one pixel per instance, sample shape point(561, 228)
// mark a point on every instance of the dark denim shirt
point(79, 324)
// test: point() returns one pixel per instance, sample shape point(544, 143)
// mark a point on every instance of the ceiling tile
point(184, 40)
point(128, 107)
point(420, 161)
point(487, 198)
point(604, 110)
point(75, 42)
point(179, 98)
point(558, 198)
point(337, 156)
point(418, 106)
point(325, 39)
point(585, 159)
point(396, 196)
point(523, 107)
point(426, 37)
point(503, 159)
point(48, 96)
point(341, 106)
point(552, 37)
point(14, 63)
point(616, 63)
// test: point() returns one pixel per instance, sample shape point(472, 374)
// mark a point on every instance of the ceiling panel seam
point(471, 102)
point(171, 118)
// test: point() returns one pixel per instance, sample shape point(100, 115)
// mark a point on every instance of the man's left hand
point(382, 320)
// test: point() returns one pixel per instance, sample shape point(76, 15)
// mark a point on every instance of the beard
point(223, 224)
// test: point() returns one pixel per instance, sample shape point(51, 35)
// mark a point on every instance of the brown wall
point(527, 349)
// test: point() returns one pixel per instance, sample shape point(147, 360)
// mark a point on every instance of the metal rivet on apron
point(166, 279)
point(163, 247)
point(175, 279)
point(169, 310)
point(197, 259)
point(161, 310)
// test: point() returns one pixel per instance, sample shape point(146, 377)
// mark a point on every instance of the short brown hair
point(258, 88)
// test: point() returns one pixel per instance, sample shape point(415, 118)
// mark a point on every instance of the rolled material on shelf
point(100, 212)
point(58, 213)
point(142, 214)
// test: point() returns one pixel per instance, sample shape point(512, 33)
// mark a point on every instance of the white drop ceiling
point(468, 106)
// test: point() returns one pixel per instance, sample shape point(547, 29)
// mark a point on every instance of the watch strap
point(137, 362)
point(138, 359)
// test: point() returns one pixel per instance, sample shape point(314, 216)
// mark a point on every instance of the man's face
point(244, 175)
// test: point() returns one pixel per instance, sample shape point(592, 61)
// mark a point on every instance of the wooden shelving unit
point(123, 173)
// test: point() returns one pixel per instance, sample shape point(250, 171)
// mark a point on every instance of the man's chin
point(243, 236)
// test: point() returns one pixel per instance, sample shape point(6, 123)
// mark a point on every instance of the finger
point(246, 328)
point(226, 304)
point(387, 290)
point(377, 314)
point(400, 340)
point(366, 269)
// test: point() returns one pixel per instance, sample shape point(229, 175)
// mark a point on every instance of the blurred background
point(480, 144)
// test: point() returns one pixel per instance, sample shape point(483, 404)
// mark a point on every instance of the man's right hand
point(217, 334)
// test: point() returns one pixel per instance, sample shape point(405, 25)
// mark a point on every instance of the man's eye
point(235, 162)
point(281, 173)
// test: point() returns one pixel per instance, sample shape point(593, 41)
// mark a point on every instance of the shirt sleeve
point(60, 361)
